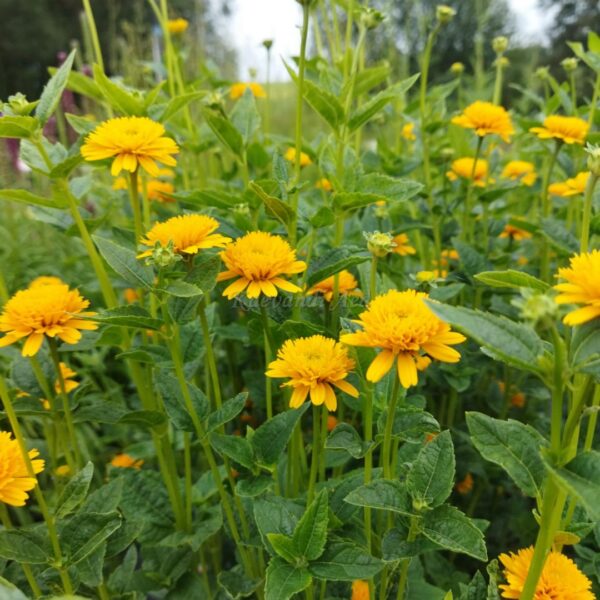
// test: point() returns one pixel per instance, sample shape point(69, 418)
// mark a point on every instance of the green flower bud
point(379, 244)
point(444, 14)
point(500, 44)
point(163, 256)
point(593, 161)
point(370, 17)
point(457, 68)
point(569, 64)
point(19, 105)
point(536, 307)
point(542, 73)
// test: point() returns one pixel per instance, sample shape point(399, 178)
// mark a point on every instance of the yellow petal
point(407, 370)
point(380, 366)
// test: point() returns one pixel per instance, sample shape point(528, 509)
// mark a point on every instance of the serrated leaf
point(513, 446)
point(410, 424)
point(431, 476)
point(274, 206)
point(345, 561)
point(74, 493)
point(24, 546)
point(25, 197)
point(284, 546)
point(118, 97)
point(18, 126)
point(223, 128)
point(124, 262)
point(132, 316)
point(81, 534)
point(230, 410)
point(333, 261)
point(53, 90)
point(176, 104)
point(512, 279)
point(285, 580)
point(174, 402)
point(382, 494)
point(513, 343)
point(245, 117)
point(310, 534)
point(451, 529)
point(235, 447)
point(345, 437)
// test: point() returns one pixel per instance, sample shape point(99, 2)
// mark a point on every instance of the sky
point(256, 20)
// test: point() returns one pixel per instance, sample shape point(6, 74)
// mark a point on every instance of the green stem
point(187, 461)
point(134, 198)
point(210, 355)
point(573, 92)
point(316, 451)
point(547, 211)
point(591, 427)
point(587, 212)
point(268, 358)
point(94, 33)
point(368, 435)
point(594, 100)
point(389, 428)
point(373, 279)
point(498, 83)
point(466, 225)
point(412, 534)
point(65, 402)
point(48, 518)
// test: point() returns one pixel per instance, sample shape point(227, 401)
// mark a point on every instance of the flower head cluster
point(582, 287)
point(486, 118)
point(239, 89)
point(560, 579)
point(520, 170)
point(407, 332)
point(570, 187)
point(15, 479)
point(463, 168)
point(133, 142)
point(257, 261)
point(44, 310)
point(346, 285)
point(570, 130)
point(313, 365)
point(290, 155)
point(188, 234)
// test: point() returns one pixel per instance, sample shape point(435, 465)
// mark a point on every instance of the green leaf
point(382, 494)
point(271, 438)
point(149, 419)
point(119, 98)
point(512, 445)
point(170, 390)
point(451, 529)
point(235, 447)
point(345, 561)
point(510, 342)
point(512, 279)
point(74, 492)
point(284, 580)
point(176, 104)
point(228, 411)
point(204, 198)
point(25, 197)
point(321, 101)
point(106, 498)
point(236, 583)
point(66, 167)
point(24, 546)
point(17, 127)
point(204, 273)
point(10, 592)
point(81, 534)
point(132, 316)
point(345, 437)
point(559, 236)
point(335, 260)
point(255, 486)
point(124, 262)
point(274, 514)
point(245, 117)
point(310, 534)
point(392, 189)
point(431, 476)
point(274, 206)
point(81, 125)
point(223, 128)
point(284, 546)
point(410, 424)
point(53, 90)
point(369, 109)
point(183, 289)
point(581, 478)
point(585, 348)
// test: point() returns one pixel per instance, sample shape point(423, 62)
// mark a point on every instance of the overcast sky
point(256, 20)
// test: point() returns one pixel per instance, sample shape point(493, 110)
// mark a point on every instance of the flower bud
point(536, 307)
point(370, 18)
point(457, 68)
point(444, 14)
point(500, 44)
point(542, 73)
point(267, 44)
point(379, 244)
point(19, 105)
point(593, 161)
point(502, 62)
point(447, 153)
point(381, 211)
point(163, 256)
point(569, 64)
point(306, 2)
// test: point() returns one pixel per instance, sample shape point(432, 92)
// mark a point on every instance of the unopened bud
point(163, 256)
point(593, 160)
point(536, 307)
point(457, 68)
point(381, 211)
point(502, 62)
point(569, 64)
point(370, 18)
point(542, 73)
point(19, 105)
point(444, 14)
point(267, 44)
point(379, 244)
point(500, 44)
point(447, 153)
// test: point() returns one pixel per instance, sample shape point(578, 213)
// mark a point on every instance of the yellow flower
point(424, 276)
point(518, 400)
point(347, 285)
point(324, 184)
point(463, 167)
point(133, 141)
point(130, 295)
point(408, 132)
point(189, 234)
point(407, 331)
point(582, 287)
point(570, 130)
point(46, 280)
point(49, 310)
point(570, 187)
point(257, 261)
point(124, 461)
point(67, 375)
point(464, 486)
point(486, 119)
point(402, 247)
point(313, 364)
point(290, 154)
point(561, 579)
point(360, 590)
point(514, 233)
point(15, 481)
point(176, 26)
point(520, 170)
point(446, 256)
point(62, 471)
point(238, 89)
point(158, 190)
